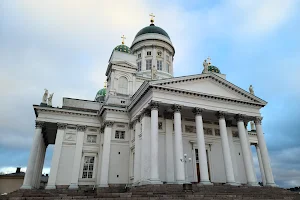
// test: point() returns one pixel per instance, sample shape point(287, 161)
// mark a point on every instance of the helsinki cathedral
point(148, 127)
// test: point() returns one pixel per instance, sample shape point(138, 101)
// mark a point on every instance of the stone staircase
point(155, 192)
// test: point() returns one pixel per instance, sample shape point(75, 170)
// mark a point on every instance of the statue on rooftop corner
point(251, 90)
point(206, 63)
point(153, 73)
point(44, 100)
point(50, 99)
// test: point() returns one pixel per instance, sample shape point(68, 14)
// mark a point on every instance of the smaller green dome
point(100, 95)
point(122, 48)
point(212, 68)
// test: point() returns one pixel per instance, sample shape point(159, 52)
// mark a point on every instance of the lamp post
point(184, 160)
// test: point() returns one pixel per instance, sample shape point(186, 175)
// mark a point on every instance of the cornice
point(39, 109)
point(112, 109)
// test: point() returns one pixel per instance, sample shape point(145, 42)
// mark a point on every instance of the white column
point(169, 149)
point(232, 151)
point(44, 148)
point(154, 176)
point(179, 165)
point(106, 154)
point(246, 151)
point(137, 152)
point(261, 167)
point(56, 155)
point(251, 155)
point(145, 159)
point(29, 175)
point(77, 157)
point(143, 59)
point(204, 177)
point(154, 60)
point(226, 150)
point(37, 162)
point(264, 153)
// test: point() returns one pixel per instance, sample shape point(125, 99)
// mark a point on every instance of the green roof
point(212, 68)
point(101, 93)
point(122, 48)
point(152, 29)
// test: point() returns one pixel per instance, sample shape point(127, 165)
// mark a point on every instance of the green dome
point(122, 48)
point(212, 68)
point(100, 95)
point(152, 29)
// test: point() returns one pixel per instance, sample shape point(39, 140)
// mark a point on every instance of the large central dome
point(152, 29)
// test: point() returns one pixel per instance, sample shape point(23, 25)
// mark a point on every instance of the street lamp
point(185, 160)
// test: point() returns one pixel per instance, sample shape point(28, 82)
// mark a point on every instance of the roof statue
point(44, 100)
point(206, 63)
point(123, 39)
point(50, 99)
point(251, 90)
point(152, 18)
point(153, 73)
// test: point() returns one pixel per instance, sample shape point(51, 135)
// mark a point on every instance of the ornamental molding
point(61, 126)
point(39, 124)
point(154, 105)
point(176, 108)
point(107, 108)
point(81, 128)
point(258, 120)
point(145, 113)
point(198, 111)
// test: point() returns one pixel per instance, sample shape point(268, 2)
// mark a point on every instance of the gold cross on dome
point(152, 18)
point(123, 39)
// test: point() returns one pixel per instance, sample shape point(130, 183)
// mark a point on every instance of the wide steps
point(157, 192)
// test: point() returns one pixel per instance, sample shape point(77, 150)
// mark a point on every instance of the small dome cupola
point(100, 96)
point(122, 47)
point(209, 67)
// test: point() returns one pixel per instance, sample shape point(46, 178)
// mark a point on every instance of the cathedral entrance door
point(198, 166)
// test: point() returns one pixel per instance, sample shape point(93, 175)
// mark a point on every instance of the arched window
point(123, 85)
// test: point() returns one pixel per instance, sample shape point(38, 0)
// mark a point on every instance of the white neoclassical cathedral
point(148, 127)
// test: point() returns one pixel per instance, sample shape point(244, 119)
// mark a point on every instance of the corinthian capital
point(61, 126)
point(39, 124)
point(108, 123)
point(258, 120)
point(221, 115)
point(176, 108)
point(198, 111)
point(81, 128)
point(154, 105)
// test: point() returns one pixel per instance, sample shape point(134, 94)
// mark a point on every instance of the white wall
point(64, 172)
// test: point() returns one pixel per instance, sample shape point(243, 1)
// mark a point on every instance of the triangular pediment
point(208, 84)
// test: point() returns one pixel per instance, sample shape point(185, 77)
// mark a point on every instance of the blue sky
point(64, 46)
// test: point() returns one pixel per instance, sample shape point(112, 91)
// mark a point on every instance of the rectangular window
point(88, 167)
point(139, 55)
point(167, 67)
point(159, 65)
point(139, 66)
point(120, 135)
point(148, 64)
point(160, 126)
point(190, 129)
point(91, 138)
point(148, 53)
point(207, 131)
point(217, 132)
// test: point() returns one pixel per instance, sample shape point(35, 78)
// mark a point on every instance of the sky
point(65, 45)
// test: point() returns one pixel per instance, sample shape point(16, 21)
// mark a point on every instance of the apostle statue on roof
point(251, 90)
point(44, 100)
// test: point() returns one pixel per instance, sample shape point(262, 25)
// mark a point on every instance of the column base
point(271, 185)
point(180, 182)
point(155, 182)
point(103, 185)
point(253, 184)
point(73, 186)
point(50, 187)
point(26, 187)
point(204, 183)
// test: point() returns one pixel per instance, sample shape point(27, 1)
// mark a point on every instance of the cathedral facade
point(148, 127)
